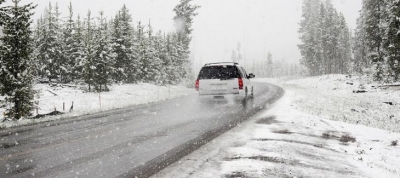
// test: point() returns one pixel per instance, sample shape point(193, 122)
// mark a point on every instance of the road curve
point(132, 142)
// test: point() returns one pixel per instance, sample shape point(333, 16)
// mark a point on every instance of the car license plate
point(218, 86)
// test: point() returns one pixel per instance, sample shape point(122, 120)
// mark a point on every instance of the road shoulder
point(284, 141)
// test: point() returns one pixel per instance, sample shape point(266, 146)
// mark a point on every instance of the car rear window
point(219, 72)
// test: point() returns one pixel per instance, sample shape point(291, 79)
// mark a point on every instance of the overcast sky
point(260, 26)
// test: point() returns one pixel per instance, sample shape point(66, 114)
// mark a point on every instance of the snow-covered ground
point(305, 134)
point(52, 98)
point(335, 97)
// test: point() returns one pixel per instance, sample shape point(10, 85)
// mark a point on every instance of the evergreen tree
point(331, 51)
point(374, 34)
point(126, 66)
point(37, 38)
point(88, 61)
point(140, 50)
point(63, 70)
point(185, 12)
point(326, 46)
point(151, 55)
point(77, 50)
point(50, 48)
point(179, 57)
point(103, 57)
point(344, 46)
point(360, 51)
point(16, 61)
point(376, 39)
point(173, 68)
point(270, 68)
point(391, 41)
point(168, 60)
point(147, 56)
point(322, 38)
point(308, 31)
point(161, 56)
point(68, 47)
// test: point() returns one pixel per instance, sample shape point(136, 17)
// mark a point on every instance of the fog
point(260, 26)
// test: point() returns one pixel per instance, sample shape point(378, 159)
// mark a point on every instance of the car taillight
point(240, 84)
point(197, 86)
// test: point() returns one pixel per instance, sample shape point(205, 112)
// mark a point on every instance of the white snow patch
point(339, 97)
point(121, 96)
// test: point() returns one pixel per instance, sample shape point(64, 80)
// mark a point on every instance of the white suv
point(224, 79)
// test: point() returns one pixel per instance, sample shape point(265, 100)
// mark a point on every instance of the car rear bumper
point(240, 94)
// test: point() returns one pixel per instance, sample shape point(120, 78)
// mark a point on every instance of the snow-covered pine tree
point(77, 50)
point(68, 47)
point(185, 12)
point(333, 31)
point(170, 63)
point(146, 51)
point(361, 60)
point(162, 54)
point(63, 66)
point(270, 68)
point(391, 40)
point(50, 47)
point(321, 36)
point(151, 58)
point(117, 42)
point(88, 63)
point(308, 30)
point(374, 34)
point(103, 56)
point(37, 38)
point(344, 46)
point(179, 57)
point(140, 50)
point(16, 60)
point(325, 42)
point(126, 67)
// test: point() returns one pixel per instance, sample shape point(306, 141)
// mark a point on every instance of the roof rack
point(234, 63)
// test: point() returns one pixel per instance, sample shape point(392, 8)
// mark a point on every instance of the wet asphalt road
point(132, 142)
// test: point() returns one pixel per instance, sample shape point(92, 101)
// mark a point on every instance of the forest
point(326, 39)
point(377, 39)
point(329, 47)
point(100, 51)
point(94, 50)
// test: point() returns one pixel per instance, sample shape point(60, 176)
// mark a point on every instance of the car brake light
point(197, 86)
point(240, 84)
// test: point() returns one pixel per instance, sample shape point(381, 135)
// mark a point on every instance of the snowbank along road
point(134, 142)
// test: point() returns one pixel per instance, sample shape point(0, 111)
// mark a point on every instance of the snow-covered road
point(287, 142)
point(138, 141)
